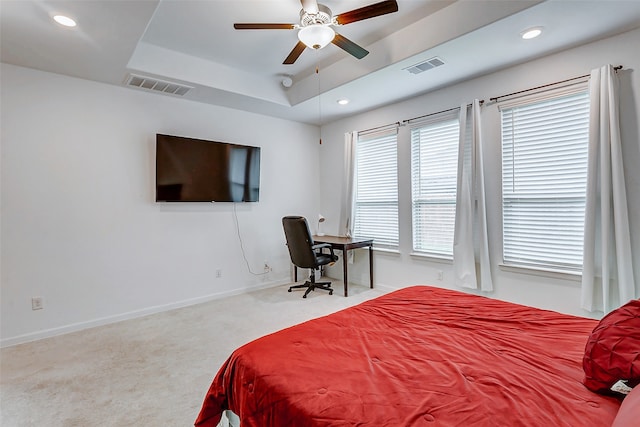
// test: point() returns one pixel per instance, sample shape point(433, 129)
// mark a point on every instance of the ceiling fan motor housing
point(322, 17)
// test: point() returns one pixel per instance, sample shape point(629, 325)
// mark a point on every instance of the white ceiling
point(193, 42)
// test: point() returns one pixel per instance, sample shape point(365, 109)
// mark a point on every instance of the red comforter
point(419, 356)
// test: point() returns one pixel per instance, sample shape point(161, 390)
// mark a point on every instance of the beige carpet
point(152, 371)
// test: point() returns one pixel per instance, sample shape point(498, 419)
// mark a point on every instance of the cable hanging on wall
point(244, 255)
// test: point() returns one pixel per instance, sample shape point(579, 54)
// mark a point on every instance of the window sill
point(554, 274)
point(386, 250)
point(431, 257)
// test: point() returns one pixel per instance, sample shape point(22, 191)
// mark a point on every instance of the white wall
point(80, 226)
point(399, 270)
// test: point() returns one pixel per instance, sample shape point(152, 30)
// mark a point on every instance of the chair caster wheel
point(304, 296)
point(289, 290)
point(330, 292)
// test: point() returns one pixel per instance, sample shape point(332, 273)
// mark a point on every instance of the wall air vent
point(157, 85)
point(425, 65)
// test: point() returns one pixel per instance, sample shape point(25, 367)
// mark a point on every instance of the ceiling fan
point(315, 28)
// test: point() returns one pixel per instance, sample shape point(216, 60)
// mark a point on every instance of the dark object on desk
point(305, 253)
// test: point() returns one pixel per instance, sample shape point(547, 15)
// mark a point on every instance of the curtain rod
point(619, 67)
point(397, 124)
point(437, 112)
point(404, 122)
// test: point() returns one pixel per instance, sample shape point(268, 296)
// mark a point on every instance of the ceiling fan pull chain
point(319, 102)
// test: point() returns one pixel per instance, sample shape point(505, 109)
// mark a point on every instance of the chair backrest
point(299, 241)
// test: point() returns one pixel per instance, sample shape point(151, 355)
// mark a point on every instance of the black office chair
point(305, 253)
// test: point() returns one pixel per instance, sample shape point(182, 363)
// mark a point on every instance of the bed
point(418, 356)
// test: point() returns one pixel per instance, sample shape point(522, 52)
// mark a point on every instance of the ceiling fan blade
point(250, 26)
point(310, 6)
point(295, 53)
point(350, 47)
point(371, 11)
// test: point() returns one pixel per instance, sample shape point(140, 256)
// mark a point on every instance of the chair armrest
point(321, 246)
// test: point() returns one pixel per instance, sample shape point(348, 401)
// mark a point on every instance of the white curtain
point(472, 267)
point(346, 213)
point(607, 275)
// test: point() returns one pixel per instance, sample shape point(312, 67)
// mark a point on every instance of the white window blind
point(544, 177)
point(376, 188)
point(434, 166)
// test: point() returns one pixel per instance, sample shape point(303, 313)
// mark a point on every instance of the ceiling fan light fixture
point(316, 36)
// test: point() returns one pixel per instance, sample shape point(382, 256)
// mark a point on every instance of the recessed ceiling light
point(343, 101)
point(531, 33)
point(64, 20)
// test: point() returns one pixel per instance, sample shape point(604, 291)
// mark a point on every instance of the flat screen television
point(196, 170)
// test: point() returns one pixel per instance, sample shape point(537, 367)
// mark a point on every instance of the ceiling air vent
point(157, 85)
point(425, 65)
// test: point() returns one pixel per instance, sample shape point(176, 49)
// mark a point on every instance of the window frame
point(509, 258)
point(387, 135)
point(419, 242)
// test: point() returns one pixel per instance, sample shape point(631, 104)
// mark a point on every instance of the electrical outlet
point(218, 273)
point(267, 267)
point(440, 275)
point(37, 303)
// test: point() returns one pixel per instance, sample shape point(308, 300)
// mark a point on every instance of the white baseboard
point(75, 327)
point(386, 288)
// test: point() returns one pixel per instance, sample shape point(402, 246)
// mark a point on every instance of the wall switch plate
point(37, 303)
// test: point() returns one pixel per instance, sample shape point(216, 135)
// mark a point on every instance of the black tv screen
point(196, 170)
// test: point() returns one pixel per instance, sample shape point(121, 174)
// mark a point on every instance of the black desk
point(344, 244)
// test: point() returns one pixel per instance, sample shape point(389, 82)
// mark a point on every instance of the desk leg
point(371, 267)
point(295, 273)
point(345, 261)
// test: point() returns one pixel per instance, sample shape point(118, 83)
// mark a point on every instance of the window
point(376, 188)
point(434, 177)
point(544, 178)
